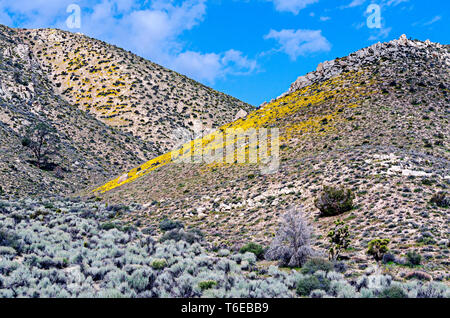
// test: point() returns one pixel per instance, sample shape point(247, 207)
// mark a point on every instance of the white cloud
point(211, 66)
point(355, 3)
point(151, 29)
point(325, 19)
point(434, 20)
point(299, 42)
point(394, 2)
point(293, 6)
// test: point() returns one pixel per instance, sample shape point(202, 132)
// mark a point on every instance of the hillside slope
point(126, 91)
point(89, 150)
point(376, 122)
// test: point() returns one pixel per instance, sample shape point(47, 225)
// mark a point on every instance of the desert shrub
point(190, 236)
point(315, 264)
point(393, 292)
point(388, 257)
point(118, 208)
point(141, 279)
point(342, 289)
point(223, 252)
point(433, 290)
point(441, 199)
point(419, 275)
point(207, 284)
point(334, 201)
point(309, 283)
point(167, 225)
point(377, 248)
point(339, 238)
point(254, 248)
point(413, 258)
point(108, 226)
point(9, 239)
point(292, 243)
point(159, 264)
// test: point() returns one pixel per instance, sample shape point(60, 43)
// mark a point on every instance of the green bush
point(413, 258)
point(159, 264)
point(309, 283)
point(167, 225)
point(315, 264)
point(377, 248)
point(254, 248)
point(393, 292)
point(334, 201)
point(207, 284)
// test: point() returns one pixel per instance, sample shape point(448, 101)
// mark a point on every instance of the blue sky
point(250, 49)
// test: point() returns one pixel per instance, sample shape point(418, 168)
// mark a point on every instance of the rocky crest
point(402, 50)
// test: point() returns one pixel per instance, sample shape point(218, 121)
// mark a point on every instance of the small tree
point(292, 243)
point(334, 201)
point(339, 239)
point(42, 140)
point(377, 248)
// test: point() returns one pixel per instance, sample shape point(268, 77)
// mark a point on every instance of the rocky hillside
point(87, 150)
point(126, 91)
point(375, 122)
point(127, 109)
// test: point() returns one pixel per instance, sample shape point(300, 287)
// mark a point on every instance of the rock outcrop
point(401, 50)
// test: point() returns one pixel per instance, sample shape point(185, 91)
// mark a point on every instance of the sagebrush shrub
point(315, 264)
point(393, 292)
point(334, 201)
point(176, 235)
point(309, 283)
point(167, 225)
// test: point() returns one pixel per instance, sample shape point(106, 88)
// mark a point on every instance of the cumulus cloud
point(152, 29)
point(293, 6)
point(211, 66)
point(299, 42)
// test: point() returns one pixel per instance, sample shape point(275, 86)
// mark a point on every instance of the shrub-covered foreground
point(74, 249)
